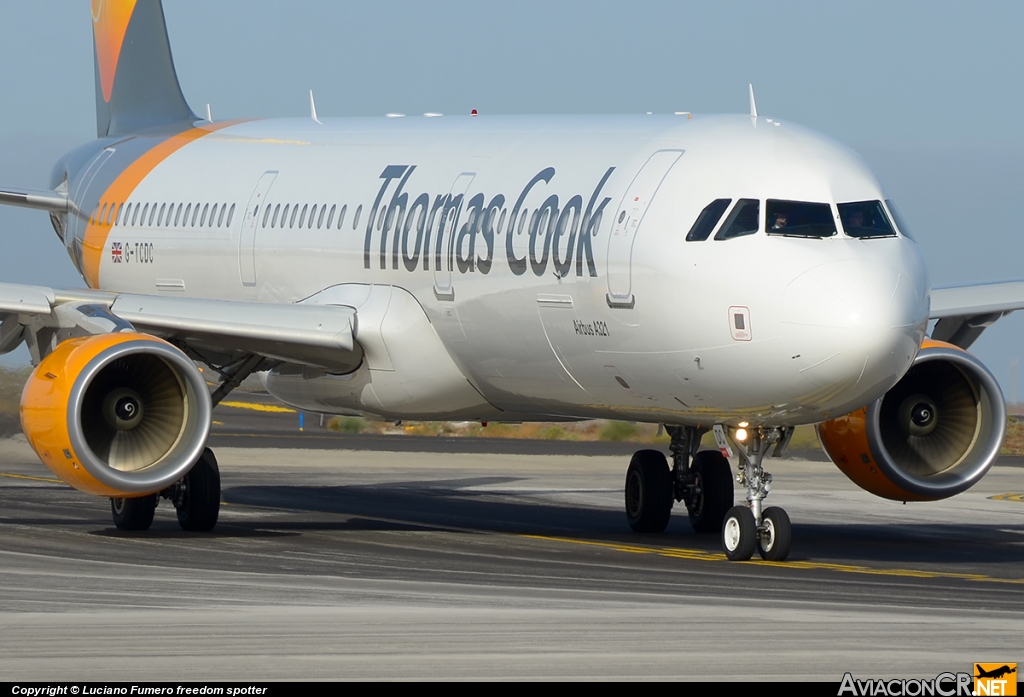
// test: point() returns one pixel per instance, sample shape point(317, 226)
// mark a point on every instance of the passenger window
point(142, 218)
point(341, 216)
point(799, 219)
point(330, 216)
point(320, 220)
point(266, 215)
point(231, 214)
point(302, 217)
point(202, 218)
point(295, 212)
point(277, 213)
point(213, 215)
point(177, 215)
point(160, 217)
point(103, 213)
point(117, 217)
point(707, 220)
point(744, 220)
point(195, 215)
point(188, 210)
point(312, 216)
point(865, 219)
point(355, 220)
point(223, 210)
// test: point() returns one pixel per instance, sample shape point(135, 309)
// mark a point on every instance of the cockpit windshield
point(865, 219)
point(799, 219)
point(742, 221)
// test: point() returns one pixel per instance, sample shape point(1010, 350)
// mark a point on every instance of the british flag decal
point(115, 252)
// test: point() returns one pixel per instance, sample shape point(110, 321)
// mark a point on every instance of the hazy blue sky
point(929, 92)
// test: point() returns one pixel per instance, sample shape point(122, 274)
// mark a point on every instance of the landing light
point(743, 424)
point(741, 434)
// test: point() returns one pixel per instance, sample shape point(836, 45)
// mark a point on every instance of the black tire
point(739, 534)
point(648, 492)
point(713, 495)
point(135, 513)
point(199, 505)
point(777, 535)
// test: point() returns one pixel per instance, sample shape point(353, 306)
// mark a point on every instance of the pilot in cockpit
point(855, 218)
point(780, 221)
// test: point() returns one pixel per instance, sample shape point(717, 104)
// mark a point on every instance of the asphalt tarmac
point(370, 560)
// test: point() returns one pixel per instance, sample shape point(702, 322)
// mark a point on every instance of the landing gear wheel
point(133, 514)
point(199, 503)
point(648, 492)
point(739, 534)
point(775, 536)
point(713, 491)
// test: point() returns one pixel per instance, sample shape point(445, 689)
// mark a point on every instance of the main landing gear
point(196, 498)
point(703, 481)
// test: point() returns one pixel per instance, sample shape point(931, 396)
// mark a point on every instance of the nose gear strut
point(750, 526)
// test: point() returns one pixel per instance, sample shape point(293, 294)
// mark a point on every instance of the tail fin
point(136, 86)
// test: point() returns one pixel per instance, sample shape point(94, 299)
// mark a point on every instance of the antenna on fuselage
point(312, 107)
point(753, 106)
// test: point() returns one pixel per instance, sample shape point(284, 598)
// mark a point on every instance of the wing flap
point(17, 299)
point(320, 336)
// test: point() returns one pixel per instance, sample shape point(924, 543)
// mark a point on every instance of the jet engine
point(932, 436)
point(117, 415)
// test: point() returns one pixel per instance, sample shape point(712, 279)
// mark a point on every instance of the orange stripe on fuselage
point(120, 191)
point(110, 20)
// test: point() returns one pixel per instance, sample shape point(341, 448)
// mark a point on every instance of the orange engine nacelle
point(117, 415)
point(933, 435)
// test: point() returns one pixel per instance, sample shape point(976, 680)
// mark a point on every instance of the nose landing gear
point(752, 526)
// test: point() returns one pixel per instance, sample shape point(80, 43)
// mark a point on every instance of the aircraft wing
point(216, 331)
point(965, 311)
point(31, 198)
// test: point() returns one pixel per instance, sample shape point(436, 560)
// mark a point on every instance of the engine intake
point(933, 435)
point(117, 414)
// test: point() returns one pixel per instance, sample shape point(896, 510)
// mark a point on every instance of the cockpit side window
point(707, 220)
point(744, 220)
point(865, 219)
point(900, 222)
point(799, 219)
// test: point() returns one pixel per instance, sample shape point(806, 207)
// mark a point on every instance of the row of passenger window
point(301, 215)
point(184, 215)
point(862, 219)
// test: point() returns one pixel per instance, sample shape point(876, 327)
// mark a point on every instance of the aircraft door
point(628, 219)
point(444, 245)
point(250, 222)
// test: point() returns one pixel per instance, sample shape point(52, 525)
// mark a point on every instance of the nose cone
point(853, 326)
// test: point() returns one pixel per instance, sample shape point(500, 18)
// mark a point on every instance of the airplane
point(995, 673)
point(724, 273)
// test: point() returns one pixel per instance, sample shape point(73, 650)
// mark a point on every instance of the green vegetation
point(619, 431)
point(347, 424)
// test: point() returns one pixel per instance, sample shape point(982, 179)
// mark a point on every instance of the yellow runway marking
point(701, 555)
point(1019, 498)
point(34, 479)
point(272, 408)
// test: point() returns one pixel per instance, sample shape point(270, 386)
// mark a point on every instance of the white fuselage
point(549, 255)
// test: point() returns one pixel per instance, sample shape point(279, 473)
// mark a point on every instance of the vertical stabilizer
point(136, 86)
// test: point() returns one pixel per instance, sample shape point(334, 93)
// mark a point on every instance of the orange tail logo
point(109, 23)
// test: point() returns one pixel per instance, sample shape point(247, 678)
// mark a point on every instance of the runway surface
point(340, 563)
